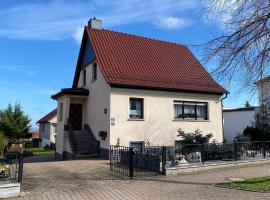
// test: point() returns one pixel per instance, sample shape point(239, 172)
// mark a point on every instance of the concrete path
point(91, 179)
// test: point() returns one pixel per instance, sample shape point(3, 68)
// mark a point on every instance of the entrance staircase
point(83, 143)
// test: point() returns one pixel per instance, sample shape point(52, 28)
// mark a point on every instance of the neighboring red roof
point(131, 61)
point(263, 80)
point(35, 135)
point(48, 117)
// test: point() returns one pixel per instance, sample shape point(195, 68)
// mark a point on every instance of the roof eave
point(166, 89)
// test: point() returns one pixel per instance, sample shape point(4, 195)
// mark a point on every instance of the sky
point(40, 41)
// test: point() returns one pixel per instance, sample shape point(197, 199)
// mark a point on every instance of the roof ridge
point(138, 36)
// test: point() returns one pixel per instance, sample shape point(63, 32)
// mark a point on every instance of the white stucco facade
point(159, 126)
point(235, 122)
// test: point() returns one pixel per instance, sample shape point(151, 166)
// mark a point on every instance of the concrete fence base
point(10, 190)
point(196, 168)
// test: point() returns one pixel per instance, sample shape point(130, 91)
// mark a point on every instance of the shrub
point(13, 154)
point(3, 143)
point(256, 134)
point(194, 138)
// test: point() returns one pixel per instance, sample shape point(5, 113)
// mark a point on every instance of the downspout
point(226, 95)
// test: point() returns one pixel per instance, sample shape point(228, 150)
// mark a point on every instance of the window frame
point(142, 108)
point(142, 143)
point(84, 77)
point(94, 71)
point(196, 103)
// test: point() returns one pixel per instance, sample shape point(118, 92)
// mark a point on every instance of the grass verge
point(41, 151)
point(260, 184)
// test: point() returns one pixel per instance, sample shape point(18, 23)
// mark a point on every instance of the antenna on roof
point(95, 23)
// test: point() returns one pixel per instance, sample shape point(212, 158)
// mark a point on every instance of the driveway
point(91, 179)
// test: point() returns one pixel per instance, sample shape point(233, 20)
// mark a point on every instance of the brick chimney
point(95, 23)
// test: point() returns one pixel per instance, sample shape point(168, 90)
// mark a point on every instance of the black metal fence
point(129, 162)
point(190, 154)
point(11, 168)
point(155, 159)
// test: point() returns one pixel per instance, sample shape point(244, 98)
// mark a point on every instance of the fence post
point(235, 150)
point(203, 154)
point(110, 154)
point(264, 151)
point(163, 160)
point(131, 162)
point(20, 169)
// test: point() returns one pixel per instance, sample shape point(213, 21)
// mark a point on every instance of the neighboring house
point(236, 120)
point(263, 86)
point(129, 89)
point(47, 128)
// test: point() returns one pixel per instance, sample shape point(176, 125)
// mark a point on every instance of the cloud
point(18, 69)
point(62, 19)
point(171, 22)
point(77, 35)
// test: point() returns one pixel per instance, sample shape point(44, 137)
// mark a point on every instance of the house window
point(138, 146)
point(190, 110)
point(61, 112)
point(42, 127)
point(136, 108)
point(54, 130)
point(84, 77)
point(94, 72)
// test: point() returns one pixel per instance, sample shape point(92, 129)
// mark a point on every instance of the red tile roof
point(138, 62)
point(48, 117)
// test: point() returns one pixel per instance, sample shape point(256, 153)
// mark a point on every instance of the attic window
point(94, 71)
point(84, 77)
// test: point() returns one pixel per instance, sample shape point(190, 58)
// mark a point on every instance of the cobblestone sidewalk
point(91, 179)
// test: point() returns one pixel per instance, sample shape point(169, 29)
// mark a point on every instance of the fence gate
point(132, 163)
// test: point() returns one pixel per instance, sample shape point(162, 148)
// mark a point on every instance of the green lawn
point(261, 184)
point(41, 151)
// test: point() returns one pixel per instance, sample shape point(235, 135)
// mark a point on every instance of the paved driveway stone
point(91, 179)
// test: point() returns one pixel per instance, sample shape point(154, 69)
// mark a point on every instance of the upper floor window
point(136, 108)
point(61, 112)
point(84, 77)
point(94, 71)
point(190, 110)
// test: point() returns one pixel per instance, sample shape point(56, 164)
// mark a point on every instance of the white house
point(129, 89)
point(236, 120)
point(47, 128)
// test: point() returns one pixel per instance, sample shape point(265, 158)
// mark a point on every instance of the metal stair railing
point(71, 138)
point(92, 137)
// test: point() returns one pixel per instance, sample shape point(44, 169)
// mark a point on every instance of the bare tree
point(243, 51)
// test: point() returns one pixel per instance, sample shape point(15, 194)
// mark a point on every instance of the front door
point(75, 116)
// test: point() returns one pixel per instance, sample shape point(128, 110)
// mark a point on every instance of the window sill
point(191, 120)
point(135, 119)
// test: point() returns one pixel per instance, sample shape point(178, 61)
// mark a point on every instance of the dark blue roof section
point(88, 54)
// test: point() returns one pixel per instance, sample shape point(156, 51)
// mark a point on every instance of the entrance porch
point(74, 136)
